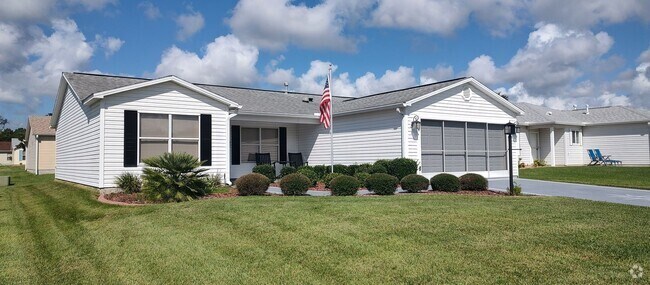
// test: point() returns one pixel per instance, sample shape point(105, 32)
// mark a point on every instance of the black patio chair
point(295, 160)
point(262, 158)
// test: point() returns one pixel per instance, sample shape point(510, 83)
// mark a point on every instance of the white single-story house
point(105, 125)
point(562, 137)
point(40, 150)
point(18, 156)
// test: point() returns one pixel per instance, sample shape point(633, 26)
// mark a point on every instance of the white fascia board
point(181, 82)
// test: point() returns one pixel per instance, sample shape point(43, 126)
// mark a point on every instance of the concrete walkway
point(580, 191)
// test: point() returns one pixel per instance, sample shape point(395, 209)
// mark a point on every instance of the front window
point(576, 137)
point(254, 140)
point(160, 133)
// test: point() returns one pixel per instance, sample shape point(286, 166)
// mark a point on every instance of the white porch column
point(552, 138)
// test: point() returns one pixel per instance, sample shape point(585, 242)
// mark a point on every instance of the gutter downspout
point(403, 130)
point(37, 145)
point(552, 138)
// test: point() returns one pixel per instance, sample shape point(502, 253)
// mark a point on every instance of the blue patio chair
point(592, 156)
point(605, 159)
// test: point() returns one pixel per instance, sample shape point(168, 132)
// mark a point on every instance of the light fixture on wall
point(511, 129)
point(416, 123)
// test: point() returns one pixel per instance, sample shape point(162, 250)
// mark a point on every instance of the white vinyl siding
point(77, 142)
point(358, 138)
point(629, 143)
point(165, 98)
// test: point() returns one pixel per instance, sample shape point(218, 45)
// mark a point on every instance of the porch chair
point(592, 156)
point(605, 159)
point(262, 158)
point(295, 160)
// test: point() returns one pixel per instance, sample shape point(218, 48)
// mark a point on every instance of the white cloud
point(612, 99)
point(226, 60)
point(110, 44)
point(483, 69)
point(45, 10)
point(275, 24)
point(313, 80)
point(189, 24)
point(446, 16)
point(439, 73)
point(589, 13)
point(150, 10)
point(636, 83)
point(42, 61)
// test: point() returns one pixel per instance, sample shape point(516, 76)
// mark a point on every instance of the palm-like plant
point(174, 177)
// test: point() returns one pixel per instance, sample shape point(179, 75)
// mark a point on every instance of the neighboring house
point(562, 137)
point(6, 153)
point(18, 152)
point(40, 145)
point(105, 125)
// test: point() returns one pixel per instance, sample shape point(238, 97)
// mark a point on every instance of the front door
point(533, 140)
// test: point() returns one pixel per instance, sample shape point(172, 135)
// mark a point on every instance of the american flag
point(325, 101)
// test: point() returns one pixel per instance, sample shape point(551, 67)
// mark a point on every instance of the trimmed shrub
point(445, 182)
point(129, 182)
point(295, 184)
point(340, 168)
point(352, 169)
point(287, 170)
point(328, 178)
point(400, 167)
point(414, 183)
point(266, 170)
point(344, 185)
point(382, 183)
point(377, 168)
point(473, 182)
point(252, 184)
point(321, 170)
point(364, 167)
point(174, 177)
point(362, 177)
point(309, 172)
point(383, 162)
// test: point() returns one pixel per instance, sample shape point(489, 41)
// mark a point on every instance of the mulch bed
point(122, 199)
point(231, 193)
point(462, 192)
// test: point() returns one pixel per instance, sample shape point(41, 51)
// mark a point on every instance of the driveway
point(580, 191)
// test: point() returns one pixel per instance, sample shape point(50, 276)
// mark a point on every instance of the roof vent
point(587, 109)
point(308, 99)
point(467, 94)
point(549, 113)
point(286, 87)
point(575, 107)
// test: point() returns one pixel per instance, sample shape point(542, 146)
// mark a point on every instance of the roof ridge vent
point(549, 113)
point(586, 110)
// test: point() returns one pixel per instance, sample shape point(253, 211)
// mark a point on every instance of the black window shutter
point(130, 138)
point(283, 144)
point(234, 145)
point(206, 139)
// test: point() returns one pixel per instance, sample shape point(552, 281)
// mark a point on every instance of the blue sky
point(593, 52)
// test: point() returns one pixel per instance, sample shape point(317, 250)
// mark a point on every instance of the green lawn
point(630, 177)
point(56, 233)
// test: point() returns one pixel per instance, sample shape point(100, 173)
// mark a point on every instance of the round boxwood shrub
point(364, 167)
point(287, 170)
point(377, 168)
point(309, 172)
point(266, 170)
point(344, 185)
point(352, 169)
point(362, 177)
point(383, 162)
point(445, 182)
point(340, 168)
point(382, 183)
point(400, 167)
point(414, 183)
point(252, 184)
point(328, 178)
point(295, 184)
point(473, 182)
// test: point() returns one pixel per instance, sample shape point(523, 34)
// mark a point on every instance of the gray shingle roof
point(40, 125)
point(538, 115)
point(257, 101)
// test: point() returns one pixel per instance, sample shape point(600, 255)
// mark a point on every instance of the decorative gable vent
point(467, 94)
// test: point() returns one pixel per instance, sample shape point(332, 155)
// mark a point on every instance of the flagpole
point(329, 78)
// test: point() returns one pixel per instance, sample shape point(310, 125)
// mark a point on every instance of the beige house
point(41, 148)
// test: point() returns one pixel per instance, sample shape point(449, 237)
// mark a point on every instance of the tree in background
point(3, 122)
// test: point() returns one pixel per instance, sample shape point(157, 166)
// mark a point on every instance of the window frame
point(259, 143)
point(170, 136)
point(578, 136)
